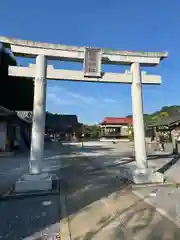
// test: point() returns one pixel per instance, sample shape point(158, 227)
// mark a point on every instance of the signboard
point(92, 62)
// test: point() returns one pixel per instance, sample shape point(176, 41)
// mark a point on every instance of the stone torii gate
point(92, 59)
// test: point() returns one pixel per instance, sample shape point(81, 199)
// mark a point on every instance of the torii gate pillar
point(36, 180)
point(142, 173)
point(39, 110)
point(138, 121)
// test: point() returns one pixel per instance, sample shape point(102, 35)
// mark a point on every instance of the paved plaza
point(99, 203)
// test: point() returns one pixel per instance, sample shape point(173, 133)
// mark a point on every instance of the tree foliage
point(91, 131)
point(166, 111)
point(160, 116)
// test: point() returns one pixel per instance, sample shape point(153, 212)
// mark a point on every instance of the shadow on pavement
point(86, 183)
point(169, 164)
point(36, 217)
point(135, 222)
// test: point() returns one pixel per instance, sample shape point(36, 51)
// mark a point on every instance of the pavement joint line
point(64, 222)
point(65, 233)
point(160, 210)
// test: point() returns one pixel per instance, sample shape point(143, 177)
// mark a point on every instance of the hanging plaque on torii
point(92, 62)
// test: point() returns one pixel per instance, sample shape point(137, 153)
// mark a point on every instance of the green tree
point(160, 116)
point(91, 131)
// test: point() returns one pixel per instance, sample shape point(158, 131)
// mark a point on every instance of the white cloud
point(58, 96)
point(56, 100)
point(86, 99)
point(53, 89)
point(109, 100)
point(61, 96)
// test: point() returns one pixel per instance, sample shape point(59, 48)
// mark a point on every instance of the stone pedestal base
point(74, 138)
point(34, 182)
point(145, 176)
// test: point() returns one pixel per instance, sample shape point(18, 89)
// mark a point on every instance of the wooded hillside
point(166, 111)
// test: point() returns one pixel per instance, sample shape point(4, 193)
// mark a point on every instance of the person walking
point(82, 139)
point(157, 142)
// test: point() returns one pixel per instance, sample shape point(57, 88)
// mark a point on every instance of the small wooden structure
point(64, 125)
point(115, 127)
point(167, 124)
point(170, 126)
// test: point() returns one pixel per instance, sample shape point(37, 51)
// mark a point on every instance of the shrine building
point(116, 128)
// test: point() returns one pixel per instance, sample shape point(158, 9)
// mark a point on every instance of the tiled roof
point(53, 121)
point(60, 122)
point(117, 120)
point(5, 112)
point(25, 115)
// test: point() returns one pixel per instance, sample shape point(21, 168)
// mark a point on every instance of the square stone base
point(34, 182)
point(145, 176)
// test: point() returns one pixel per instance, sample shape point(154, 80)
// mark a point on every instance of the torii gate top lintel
point(92, 59)
point(75, 53)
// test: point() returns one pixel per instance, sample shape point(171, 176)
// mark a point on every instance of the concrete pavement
point(101, 206)
point(29, 218)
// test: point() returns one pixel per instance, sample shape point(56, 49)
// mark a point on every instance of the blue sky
point(120, 24)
